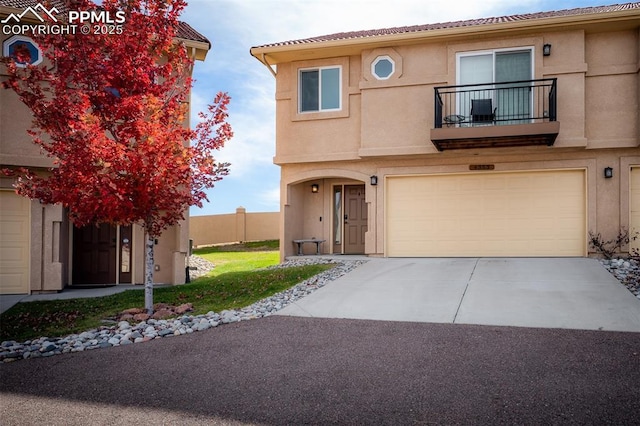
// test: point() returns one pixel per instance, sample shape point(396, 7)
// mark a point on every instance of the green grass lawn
point(241, 257)
point(236, 282)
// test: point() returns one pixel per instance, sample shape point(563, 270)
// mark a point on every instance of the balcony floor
point(512, 135)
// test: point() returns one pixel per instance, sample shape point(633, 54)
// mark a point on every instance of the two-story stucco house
point(40, 249)
point(507, 136)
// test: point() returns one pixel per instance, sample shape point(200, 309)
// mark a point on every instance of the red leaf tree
point(110, 109)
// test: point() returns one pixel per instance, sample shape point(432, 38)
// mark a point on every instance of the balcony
point(510, 114)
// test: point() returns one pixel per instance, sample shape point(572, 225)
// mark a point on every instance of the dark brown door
point(355, 219)
point(94, 255)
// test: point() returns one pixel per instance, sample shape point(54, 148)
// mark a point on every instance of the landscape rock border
point(125, 333)
point(627, 271)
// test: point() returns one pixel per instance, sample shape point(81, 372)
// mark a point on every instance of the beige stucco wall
point(169, 268)
point(234, 227)
point(597, 102)
point(384, 126)
point(606, 198)
point(17, 148)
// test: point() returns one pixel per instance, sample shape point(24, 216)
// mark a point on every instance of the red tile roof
point(185, 31)
point(457, 24)
point(23, 4)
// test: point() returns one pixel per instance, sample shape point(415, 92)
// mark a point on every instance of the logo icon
point(39, 11)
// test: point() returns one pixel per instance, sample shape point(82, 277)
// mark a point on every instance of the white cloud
point(271, 197)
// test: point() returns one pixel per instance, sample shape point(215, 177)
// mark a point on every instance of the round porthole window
point(23, 49)
point(383, 67)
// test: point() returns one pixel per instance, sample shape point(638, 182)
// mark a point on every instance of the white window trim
point(381, 58)
point(320, 109)
point(493, 53)
point(6, 43)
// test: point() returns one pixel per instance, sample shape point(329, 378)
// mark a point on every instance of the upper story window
point(383, 67)
point(320, 89)
point(24, 50)
point(494, 66)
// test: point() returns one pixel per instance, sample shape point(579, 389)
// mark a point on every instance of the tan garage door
point(14, 243)
point(487, 214)
point(635, 207)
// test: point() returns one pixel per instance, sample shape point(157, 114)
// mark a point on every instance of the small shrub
point(608, 248)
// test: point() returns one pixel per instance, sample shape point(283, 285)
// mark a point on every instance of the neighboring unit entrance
point(14, 243)
point(355, 219)
point(349, 222)
point(94, 254)
point(540, 213)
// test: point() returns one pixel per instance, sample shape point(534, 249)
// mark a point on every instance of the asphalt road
point(295, 371)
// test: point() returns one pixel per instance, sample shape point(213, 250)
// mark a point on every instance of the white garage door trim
point(490, 214)
point(634, 207)
point(15, 237)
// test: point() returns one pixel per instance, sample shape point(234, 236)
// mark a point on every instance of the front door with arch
point(350, 219)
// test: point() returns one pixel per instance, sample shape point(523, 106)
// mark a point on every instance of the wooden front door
point(94, 254)
point(355, 219)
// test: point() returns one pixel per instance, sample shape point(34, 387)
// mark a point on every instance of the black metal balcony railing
point(514, 102)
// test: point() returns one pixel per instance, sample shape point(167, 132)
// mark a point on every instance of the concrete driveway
point(573, 293)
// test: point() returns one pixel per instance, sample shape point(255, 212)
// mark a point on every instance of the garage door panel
point(498, 214)
point(13, 255)
point(14, 243)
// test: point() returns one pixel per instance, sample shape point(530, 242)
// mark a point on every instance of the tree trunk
point(148, 275)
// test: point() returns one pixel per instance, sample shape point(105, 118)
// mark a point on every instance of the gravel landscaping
point(125, 333)
point(199, 266)
point(627, 271)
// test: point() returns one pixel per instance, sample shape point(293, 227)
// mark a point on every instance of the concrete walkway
point(8, 300)
point(571, 293)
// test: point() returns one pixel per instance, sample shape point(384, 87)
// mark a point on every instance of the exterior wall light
point(374, 180)
point(608, 172)
point(546, 50)
point(315, 188)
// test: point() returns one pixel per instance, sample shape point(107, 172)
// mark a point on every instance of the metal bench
point(312, 240)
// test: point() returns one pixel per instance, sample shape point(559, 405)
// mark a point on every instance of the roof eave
point(285, 53)
point(200, 49)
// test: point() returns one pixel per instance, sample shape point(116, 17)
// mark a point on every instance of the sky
point(234, 26)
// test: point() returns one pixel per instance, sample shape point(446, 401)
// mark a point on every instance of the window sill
point(320, 115)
